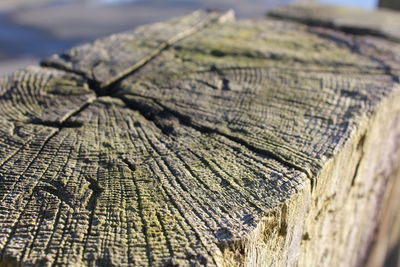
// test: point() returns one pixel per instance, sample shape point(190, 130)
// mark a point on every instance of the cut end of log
point(206, 141)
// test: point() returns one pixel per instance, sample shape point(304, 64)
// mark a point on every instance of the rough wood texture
point(382, 22)
point(228, 143)
point(109, 59)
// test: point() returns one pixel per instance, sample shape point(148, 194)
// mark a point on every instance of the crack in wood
point(158, 116)
point(148, 178)
point(360, 147)
point(130, 163)
point(187, 121)
point(56, 124)
point(152, 112)
point(57, 190)
point(96, 191)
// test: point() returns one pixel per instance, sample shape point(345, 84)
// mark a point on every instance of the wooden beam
point(206, 141)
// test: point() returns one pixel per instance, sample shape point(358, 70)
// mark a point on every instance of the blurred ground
point(33, 29)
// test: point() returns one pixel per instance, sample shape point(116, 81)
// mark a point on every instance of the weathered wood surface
point(204, 141)
point(381, 22)
point(109, 59)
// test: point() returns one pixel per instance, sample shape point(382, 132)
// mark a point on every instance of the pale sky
point(360, 3)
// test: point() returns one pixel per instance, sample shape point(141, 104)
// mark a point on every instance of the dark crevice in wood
point(156, 111)
point(66, 121)
point(360, 148)
point(135, 216)
point(96, 87)
point(283, 224)
point(207, 84)
point(353, 180)
point(152, 112)
point(96, 191)
point(59, 192)
point(104, 87)
point(107, 87)
point(53, 65)
point(56, 124)
point(130, 163)
point(157, 116)
point(186, 120)
point(163, 46)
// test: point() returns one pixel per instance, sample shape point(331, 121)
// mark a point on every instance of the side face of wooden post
point(393, 4)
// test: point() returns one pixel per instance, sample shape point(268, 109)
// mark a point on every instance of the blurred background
point(34, 29)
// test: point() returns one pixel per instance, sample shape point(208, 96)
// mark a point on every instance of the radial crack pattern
point(176, 142)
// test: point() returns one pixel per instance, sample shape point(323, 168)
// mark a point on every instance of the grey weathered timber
point(205, 141)
point(109, 59)
point(382, 22)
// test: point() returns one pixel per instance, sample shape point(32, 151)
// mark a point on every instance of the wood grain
point(109, 59)
point(216, 143)
point(381, 22)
